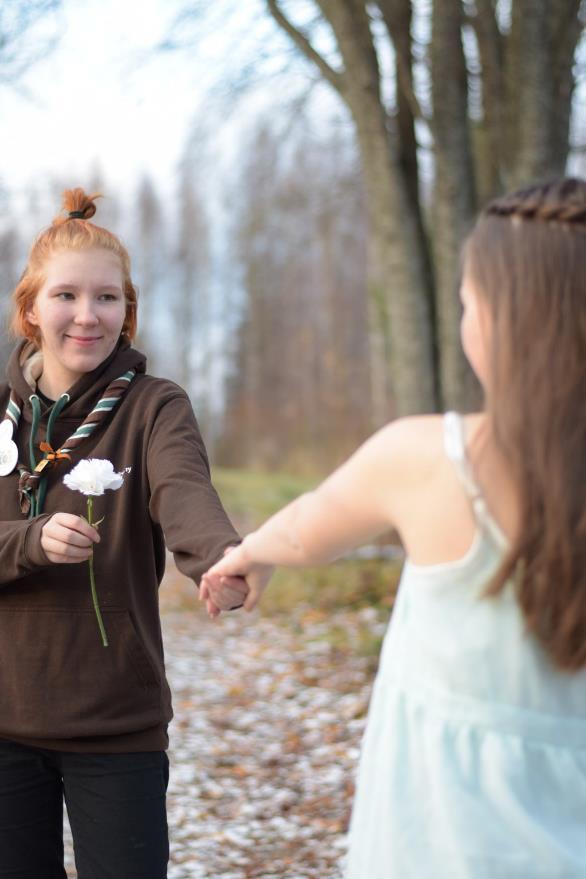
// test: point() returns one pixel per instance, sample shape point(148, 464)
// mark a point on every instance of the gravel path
point(268, 721)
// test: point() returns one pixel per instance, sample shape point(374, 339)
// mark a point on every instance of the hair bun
point(78, 204)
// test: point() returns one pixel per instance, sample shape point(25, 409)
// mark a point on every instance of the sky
point(105, 95)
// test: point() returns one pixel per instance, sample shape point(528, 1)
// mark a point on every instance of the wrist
point(247, 549)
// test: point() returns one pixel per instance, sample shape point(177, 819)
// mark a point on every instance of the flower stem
point(90, 509)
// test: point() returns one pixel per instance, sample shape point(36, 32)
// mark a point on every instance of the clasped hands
point(233, 582)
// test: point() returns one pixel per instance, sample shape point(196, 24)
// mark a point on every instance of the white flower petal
point(93, 476)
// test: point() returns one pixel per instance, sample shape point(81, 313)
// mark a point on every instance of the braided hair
point(560, 201)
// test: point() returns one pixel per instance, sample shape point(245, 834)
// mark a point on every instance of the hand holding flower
point(68, 539)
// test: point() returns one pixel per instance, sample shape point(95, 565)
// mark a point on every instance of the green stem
point(90, 509)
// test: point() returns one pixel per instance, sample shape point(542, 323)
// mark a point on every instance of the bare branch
point(20, 47)
point(391, 15)
point(334, 77)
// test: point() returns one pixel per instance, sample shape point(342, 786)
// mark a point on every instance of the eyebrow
point(106, 288)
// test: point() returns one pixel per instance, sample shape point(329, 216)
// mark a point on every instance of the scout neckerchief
point(32, 485)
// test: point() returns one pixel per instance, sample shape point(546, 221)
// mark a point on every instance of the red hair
point(68, 232)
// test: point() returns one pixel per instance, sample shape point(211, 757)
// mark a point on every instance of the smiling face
point(79, 312)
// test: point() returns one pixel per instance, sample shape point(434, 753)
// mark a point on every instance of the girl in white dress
point(473, 763)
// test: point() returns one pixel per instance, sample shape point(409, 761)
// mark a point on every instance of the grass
point(251, 496)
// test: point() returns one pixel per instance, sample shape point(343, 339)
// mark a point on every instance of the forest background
point(298, 270)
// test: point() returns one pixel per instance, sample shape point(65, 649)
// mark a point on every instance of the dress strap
point(455, 448)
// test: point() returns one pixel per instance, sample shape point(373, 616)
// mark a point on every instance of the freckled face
point(79, 310)
point(475, 330)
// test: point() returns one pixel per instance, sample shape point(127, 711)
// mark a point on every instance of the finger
point(68, 536)
point(230, 597)
point(204, 591)
point(64, 553)
point(218, 599)
point(237, 584)
point(226, 598)
point(76, 524)
point(251, 599)
point(212, 609)
point(232, 565)
point(218, 570)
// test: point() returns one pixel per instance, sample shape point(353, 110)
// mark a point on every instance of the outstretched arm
point(183, 500)
point(355, 504)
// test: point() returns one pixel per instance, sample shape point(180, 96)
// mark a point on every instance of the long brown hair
point(526, 257)
point(69, 232)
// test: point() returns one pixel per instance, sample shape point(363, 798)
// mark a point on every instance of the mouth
point(85, 341)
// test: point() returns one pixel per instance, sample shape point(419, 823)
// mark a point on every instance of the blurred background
point(293, 179)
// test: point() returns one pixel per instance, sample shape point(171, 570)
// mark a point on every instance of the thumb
point(224, 568)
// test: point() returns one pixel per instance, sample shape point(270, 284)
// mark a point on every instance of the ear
point(31, 316)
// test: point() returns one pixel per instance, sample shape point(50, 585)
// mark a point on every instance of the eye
point(65, 295)
point(109, 297)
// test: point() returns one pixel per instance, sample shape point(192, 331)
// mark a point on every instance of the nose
point(85, 313)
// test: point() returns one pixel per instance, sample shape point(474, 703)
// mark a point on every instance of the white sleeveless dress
point(473, 762)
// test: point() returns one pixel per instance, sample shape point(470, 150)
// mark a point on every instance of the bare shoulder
point(412, 442)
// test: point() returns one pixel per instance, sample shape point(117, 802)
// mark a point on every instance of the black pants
point(116, 808)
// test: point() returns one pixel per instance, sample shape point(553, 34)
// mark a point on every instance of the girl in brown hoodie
point(78, 720)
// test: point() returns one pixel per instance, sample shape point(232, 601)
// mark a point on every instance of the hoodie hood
point(26, 365)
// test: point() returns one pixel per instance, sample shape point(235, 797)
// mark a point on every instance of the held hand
point(68, 539)
point(227, 595)
point(238, 564)
point(222, 593)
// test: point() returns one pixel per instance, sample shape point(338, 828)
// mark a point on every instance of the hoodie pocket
point(58, 681)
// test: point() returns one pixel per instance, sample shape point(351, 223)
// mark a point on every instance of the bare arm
point(356, 503)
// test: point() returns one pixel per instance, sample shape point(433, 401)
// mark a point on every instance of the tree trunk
point(454, 196)
point(565, 29)
point(526, 85)
point(539, 87)
point(400, 281)
point(489, 158)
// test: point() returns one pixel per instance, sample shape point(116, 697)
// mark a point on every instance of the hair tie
point(76, 215)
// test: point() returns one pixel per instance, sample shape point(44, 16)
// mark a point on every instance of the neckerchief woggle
point(32, 485)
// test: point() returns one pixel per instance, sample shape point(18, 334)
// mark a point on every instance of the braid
point(559, 200)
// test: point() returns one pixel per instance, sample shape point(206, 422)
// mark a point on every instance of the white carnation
point(93, 476)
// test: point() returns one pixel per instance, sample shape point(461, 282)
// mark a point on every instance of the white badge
point(8, 449)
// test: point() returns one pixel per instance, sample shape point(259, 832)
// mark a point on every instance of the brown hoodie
point(59, 687)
